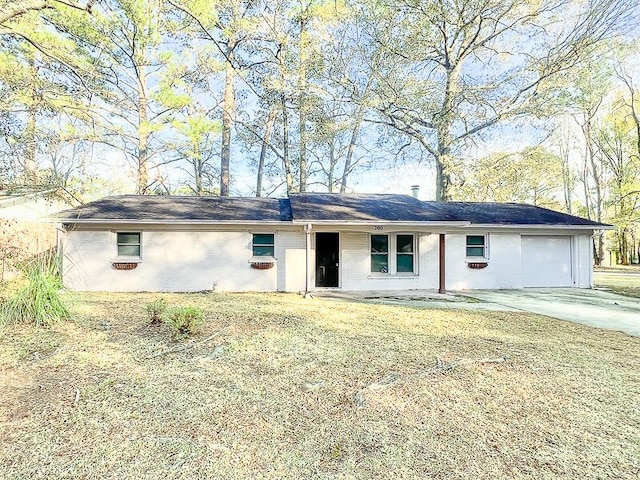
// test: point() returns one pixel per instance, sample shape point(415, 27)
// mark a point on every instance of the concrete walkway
point(596, 308)
point(416, 298)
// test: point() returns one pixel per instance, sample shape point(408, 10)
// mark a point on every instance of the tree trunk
point(443, 124)
point(302, 121)
point(332, 167)
point(624, 247)
point(30, 165)
point(302, 105)
point(595, 171)
point(30, 141)
point(348, 163)
point(590, 169)
point(567, 179)
point(227, 118)
point(285, 145)
point(443, 179)
point(585, 188)
point(143, 134)
point(197, 168)
point(263, 150)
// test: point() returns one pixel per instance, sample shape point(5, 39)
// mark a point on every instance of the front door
point(327, 259)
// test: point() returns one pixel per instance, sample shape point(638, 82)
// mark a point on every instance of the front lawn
point(275, 386)
point(624, 280)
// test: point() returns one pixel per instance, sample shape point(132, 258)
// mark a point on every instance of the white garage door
point(546, 261)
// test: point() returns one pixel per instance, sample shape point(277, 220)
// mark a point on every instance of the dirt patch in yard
point(294, 388)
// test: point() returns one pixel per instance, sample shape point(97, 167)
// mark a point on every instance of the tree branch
point(23, 9)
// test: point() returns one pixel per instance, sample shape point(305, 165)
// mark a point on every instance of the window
point(403, 245)
point(476, 246)
point(380, 253)
point(404, 253)
point(263, 245)
point(128, 244)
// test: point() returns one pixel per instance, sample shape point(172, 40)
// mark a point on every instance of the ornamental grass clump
point(184, 321)
point(156, 310)
point(37, 299)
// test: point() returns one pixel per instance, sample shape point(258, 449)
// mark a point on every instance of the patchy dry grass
point(273, 394)
point(624, 280)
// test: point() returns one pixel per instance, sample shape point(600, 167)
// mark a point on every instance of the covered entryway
point(546, 261)
point(327, 259)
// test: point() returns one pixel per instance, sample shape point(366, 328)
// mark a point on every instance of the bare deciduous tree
point(461, 67)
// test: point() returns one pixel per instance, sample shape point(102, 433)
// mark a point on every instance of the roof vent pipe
point(415, 190)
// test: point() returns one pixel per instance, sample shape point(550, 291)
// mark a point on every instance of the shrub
point(21, 241)
point(156, 310)
point(184, 321)
point(37, 299)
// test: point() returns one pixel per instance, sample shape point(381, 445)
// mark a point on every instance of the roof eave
point(98, 221)
point(456, 223)
point(538, 226)
point(424, 223)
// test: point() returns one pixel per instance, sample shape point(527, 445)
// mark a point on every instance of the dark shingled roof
point(304, 207)
point(493, 213)
point(367, 207)
point(163, 208)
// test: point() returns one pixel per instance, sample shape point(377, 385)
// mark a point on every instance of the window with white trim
point(263, 245)
point(476, 246)
point(404, 253)
point(129, 244)
point(393, 253)
point(380, 253)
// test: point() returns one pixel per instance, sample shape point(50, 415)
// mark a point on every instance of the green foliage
point(38, 299)
point(533, 175)
point(156, 310)
point(184, 321)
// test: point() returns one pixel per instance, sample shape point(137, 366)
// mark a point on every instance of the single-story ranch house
point(313, 241)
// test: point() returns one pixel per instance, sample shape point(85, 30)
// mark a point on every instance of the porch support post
point(441, 288)
point(307, 272)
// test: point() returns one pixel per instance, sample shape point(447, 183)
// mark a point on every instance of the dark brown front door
point(327, 259)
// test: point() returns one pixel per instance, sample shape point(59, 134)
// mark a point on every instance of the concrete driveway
point(590, 307)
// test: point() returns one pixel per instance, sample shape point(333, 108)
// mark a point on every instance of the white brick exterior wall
point(503, 270)
point(182, 261)
point(583, 258)
point(356, 265)
point(291, 253)
point(195, 260)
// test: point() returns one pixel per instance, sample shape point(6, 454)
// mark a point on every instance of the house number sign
point(477, 265)
point(378, 227)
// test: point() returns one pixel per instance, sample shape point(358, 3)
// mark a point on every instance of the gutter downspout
point(593, 234)
point(307, 231)
point(441, 288)
point(59, 233)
